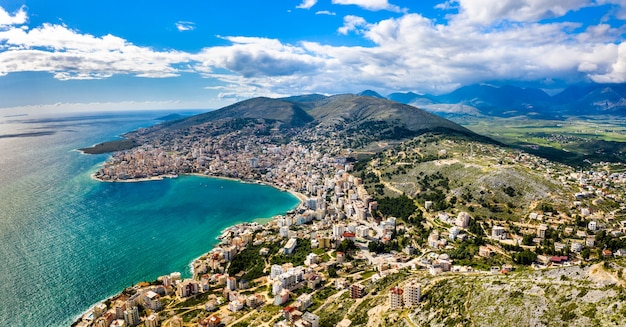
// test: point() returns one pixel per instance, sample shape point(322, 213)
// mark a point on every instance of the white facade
point(290, 246)
point(395, 298)
point(498, 232)
point(462, 220)
point(412, 294)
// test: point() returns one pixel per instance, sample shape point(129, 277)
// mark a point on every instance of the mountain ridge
point(508, 100)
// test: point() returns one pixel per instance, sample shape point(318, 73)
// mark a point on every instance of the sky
point(197, 54)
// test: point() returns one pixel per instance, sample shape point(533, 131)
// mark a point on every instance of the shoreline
point(301, 198)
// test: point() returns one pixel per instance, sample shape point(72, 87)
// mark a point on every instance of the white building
point(498, 232)
point(152, 320)
point(282, 297)
point(305, 301)
point(311, 259)
point(187, 288)
point(311, 318)
point(152, 301)
point(576, 247)
point(454, 232)
point(235, 305)
point(275, 270)
point(412, 294)
point(395, 298)
point(290, 246)
point(131, 316)
point(338, 230)
point(593, 225)
point(231, 283)
point(462, 220)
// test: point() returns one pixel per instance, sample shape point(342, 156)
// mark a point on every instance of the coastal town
point(347, 255)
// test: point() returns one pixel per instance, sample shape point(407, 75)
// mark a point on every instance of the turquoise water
point(68, 241)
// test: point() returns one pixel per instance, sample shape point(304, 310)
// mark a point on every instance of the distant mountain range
point(507, 101)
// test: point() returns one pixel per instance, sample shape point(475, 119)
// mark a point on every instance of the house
point(484, 251)
point(235, 306)
point(312, 319)
point(357, 291)
point(282, 297)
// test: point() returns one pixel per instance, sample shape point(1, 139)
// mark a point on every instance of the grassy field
point(571, 141)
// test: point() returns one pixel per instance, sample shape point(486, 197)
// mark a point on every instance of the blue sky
point(207, 54)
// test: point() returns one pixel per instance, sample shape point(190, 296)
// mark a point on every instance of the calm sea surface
point(68, 241)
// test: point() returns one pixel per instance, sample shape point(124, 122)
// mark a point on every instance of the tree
point(528, 239)
point(525, 257)
point(346, 245)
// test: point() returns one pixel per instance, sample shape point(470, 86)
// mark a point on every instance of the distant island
point(404, 216)
point(111, 146)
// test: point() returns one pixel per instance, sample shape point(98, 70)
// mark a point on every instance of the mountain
point(508, 101)
point(286, 112)
point(356, 110)
point(354, 119)
point(370, 93)
point(592, 99)
point(413, 99)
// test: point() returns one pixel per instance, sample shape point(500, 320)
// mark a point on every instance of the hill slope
point(355, 109)
point(290, 114)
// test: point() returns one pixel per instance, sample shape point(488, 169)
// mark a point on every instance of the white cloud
point(68, 54)
point(411, 52)
point(487, 12)
point(325, 12)
point(183, 26)
point(18, 18)
point(257, 57)
point(373, 5)
point(237, 88)
point(307, 4)
point(616, 73)
point(351, 23)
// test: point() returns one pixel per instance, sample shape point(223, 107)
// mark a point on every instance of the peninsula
point(407, 219)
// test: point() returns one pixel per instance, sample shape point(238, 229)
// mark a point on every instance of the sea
point(68, 241)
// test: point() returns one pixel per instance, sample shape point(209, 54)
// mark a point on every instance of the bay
point(68, 241)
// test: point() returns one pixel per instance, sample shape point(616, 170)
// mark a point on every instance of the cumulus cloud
point(373, 5)
point(17, 18)
point(489, 11)
point(68, 54)
point(410, 52)
point(351, 24)
point(255, 57)
point(237, 88)
point(183, 26)
point(307, 4)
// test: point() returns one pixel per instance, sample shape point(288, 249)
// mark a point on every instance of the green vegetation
point(303, 248)
point(568, 141)
point(249, 261)
point(400, 207)
point(525, 257)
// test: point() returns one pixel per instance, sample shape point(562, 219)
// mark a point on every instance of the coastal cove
point(71, 241)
